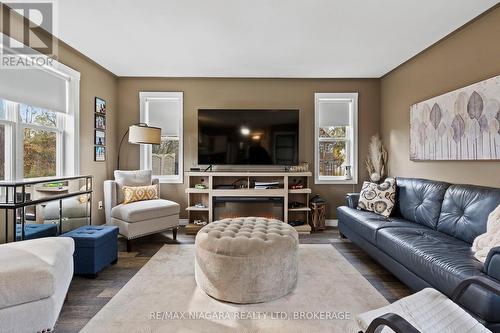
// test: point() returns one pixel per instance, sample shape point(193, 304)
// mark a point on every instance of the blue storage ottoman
point(33, 231)
point(95, 248)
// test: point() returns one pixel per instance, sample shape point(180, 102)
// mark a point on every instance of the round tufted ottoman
point(246, 260)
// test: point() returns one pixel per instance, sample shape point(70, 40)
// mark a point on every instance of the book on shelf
point(267, 183)
point(265, 187)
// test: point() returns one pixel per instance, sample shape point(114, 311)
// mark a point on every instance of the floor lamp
point(140, 133)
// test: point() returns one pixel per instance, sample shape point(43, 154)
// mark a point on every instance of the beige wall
point(94, 81)
point(472, 54)
point(251, 93)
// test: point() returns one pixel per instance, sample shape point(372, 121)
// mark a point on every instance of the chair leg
point(174, 233)
point(129, 245)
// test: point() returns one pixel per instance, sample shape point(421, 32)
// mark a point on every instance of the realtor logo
point(28, 29)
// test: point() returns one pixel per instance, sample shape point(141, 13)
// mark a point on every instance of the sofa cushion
point(439, 259)
point(366, 224)
point(131, 178)
point(465, 210)
point(43, 260)
point(145, 210)
point(419, 200)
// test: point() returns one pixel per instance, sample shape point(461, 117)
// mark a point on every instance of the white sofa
point(34, 278)
point(139, 218)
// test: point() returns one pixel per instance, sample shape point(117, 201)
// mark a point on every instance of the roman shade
point(35, 87)
point(165, 113)
point(334, 112)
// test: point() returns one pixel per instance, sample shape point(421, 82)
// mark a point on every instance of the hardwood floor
point(87, 296)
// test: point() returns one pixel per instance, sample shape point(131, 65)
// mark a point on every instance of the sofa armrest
point(482, 281)
point(397, 323)
point(492, 263)
point(109, 198)
point(352, 200)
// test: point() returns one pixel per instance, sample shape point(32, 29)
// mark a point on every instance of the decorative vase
point(375, 177)
point(348, 174)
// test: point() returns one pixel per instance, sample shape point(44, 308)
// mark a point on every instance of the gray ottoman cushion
point(246, 260)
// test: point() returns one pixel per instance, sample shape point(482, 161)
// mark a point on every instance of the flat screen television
point(248, 137)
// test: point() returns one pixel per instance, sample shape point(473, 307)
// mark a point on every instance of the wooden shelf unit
point(245, 179)
point(299, 209)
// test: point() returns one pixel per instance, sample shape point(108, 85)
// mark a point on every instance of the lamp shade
point(144, 134)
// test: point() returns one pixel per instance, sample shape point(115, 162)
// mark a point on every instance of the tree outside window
point(39, 145)
point(39, 153)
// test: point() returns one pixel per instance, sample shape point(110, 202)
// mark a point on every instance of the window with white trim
point(39, 122)
point(336, 145)
point(164, 110)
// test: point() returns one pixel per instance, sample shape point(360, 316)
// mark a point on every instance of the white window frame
point(68, 131)
point(352, 98)
point(10, 123)
point(146, 150)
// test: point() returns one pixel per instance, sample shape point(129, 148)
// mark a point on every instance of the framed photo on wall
point(100, 153)
point(100, 122)
point(100, 138)
point(100, 105)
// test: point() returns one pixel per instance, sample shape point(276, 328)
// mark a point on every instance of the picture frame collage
point(100, 130)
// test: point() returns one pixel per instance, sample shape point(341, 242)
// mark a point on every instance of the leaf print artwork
point(435, 116)
point(463, 124)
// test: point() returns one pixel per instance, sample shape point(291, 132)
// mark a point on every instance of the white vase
point(348, 174)
point(375, 177)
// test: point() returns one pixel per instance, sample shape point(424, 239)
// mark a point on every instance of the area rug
point(163, 297)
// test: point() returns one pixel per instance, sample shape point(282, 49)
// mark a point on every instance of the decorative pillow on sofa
point(378, 198)
point(139, 193)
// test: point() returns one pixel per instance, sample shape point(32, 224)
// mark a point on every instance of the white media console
point(231, 185)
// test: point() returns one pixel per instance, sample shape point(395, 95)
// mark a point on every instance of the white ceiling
point(259, 38)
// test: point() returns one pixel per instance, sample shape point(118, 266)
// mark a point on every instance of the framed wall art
point(100, 105)
point(100, 130)
point(100, 138)
point(100, 122)
point(460, 125)
point(100, 153)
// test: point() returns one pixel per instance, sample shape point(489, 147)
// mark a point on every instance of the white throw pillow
point(378, 198)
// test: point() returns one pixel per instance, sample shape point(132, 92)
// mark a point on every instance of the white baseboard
point(332, 222)
point(328, 222)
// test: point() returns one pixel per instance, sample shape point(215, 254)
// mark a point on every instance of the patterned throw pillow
point(378, 198)
point(139, 193)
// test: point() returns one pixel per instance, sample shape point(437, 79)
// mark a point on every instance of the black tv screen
point(248, 137)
